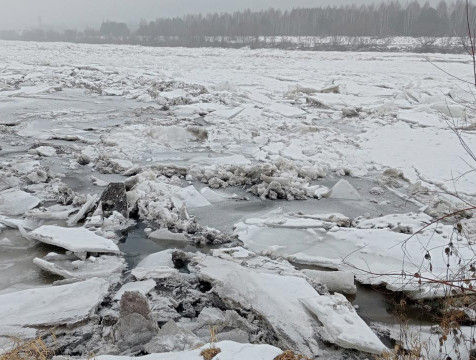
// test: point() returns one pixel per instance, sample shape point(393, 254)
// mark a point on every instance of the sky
point(19, 14)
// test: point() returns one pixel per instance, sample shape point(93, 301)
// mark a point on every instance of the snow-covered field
point(271, 158)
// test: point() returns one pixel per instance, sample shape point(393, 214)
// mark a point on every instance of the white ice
point(78, 240)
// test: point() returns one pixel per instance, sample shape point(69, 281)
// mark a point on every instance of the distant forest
point(274, 27)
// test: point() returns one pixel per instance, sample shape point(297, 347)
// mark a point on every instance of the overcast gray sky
point(17, 14)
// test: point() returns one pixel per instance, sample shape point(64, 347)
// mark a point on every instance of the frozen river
point(302, 161)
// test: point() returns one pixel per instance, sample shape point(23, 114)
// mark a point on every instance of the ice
point(274, 297)
point(102, 266)
point(77, 240)
point(156, 266)
point(342, 325)
point(335, 281)
point(280, 298)
point(164, 234)
point(52, 305)
point(162, 258)
point(190, 197)
point(143, 287)
point(375, 249)
point(286, 110)
point(226, 114)
point(214, 196)
point(169, 134)
point(343, 190)
point(15, 202)
point(154, 272)
point(121, 164)
point(173, 95)
point(88, 205)
point(250, 120)
point(54, 212)
point(229, 351)
point(46, 151)
point(422, 119)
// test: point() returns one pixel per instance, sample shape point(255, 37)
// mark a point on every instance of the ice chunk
point(102, 266)
point(162, 258)
point(286, 110)
point(15, 202)
point(78, 240)
point(45, 151)
point(338, 281)
point(121, 164)
point(91, 201)
point(342, 325)
point(164, 234)
point(52, 305)
point(343, 190)
point(274, 297)
point(154, 272)
point(214, 196)
point(54, 212)
point(381, 247)
point(190, 197)
point(143, 287)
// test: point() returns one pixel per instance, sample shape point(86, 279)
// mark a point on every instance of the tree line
point(387, 19)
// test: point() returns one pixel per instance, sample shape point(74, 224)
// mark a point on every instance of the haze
point(17, 14)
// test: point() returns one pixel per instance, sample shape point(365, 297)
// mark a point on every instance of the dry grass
point(210, 353)
point(289, 355)
point(28, 350)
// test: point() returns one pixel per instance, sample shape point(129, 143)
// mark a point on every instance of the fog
point(17, 14)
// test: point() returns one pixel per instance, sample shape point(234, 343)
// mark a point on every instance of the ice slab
point(52, 305)
point(161, 258)
point(15, 202)
point(342, 325)
point(78, 240)
point(102, 266)
point(190, 197)
point(382, 246)
point(164, 234)
point(274, 297)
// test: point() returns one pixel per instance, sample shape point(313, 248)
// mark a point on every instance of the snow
point(53, 305)
point(342, 325)
point(229, 351)
point(78, 240)
point(15, 202)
